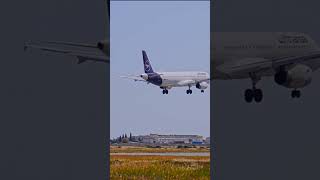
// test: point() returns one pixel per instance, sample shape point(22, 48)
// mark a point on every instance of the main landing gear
point(295, 94)
point(189, 91)
point(254, 93)
point(165, 91)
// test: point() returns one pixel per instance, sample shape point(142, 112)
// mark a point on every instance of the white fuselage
point(234, 46)
point(179, 79)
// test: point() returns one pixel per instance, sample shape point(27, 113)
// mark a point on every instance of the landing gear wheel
point(298, 94)
point(202, 91)
point(295, 94)
point(248, 95)
point(189, 91)
point(165, 91)
point(258, 95)
point(255, 94)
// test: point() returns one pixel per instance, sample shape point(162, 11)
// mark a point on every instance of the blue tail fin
point(146, 63)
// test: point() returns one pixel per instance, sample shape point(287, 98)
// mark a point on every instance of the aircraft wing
point(247, 65)
point(186, 82)
point(135, 78)
point(70, 44)
point(64, 48)
point(207, 80)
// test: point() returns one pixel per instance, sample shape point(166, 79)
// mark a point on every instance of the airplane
point(168, 80)
point(102, 47)
point(290, 57)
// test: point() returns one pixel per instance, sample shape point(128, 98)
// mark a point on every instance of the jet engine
point(202, 85)
point(295, 76)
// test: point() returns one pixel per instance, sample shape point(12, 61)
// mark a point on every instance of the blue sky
point(176, 36)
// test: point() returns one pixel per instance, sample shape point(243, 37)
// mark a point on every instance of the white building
point(207, 141)
point(171, 139)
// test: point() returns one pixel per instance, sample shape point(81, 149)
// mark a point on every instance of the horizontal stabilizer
point(134, 77)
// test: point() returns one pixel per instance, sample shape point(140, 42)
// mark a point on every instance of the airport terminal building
point(170, 139)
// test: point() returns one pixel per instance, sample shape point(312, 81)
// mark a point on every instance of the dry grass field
point(159, 167)
point(154, 167)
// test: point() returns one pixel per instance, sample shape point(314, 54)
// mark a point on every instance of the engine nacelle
point(281, 76)
point(296, 76)
point(202, 85)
